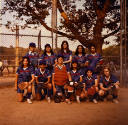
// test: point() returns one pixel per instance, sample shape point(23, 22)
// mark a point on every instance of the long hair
point(83, 50)
point(48, 45)
point(67, 49)
point(23, 58)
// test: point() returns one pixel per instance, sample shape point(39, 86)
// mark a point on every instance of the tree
point(85, 24)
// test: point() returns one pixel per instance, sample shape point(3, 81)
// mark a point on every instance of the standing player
point(109, 85)
point(76, 78)
point(66, 53)
point(49, 57)
point(94, 59)
point(42, 77)
point(80, 58)
point(91, 86)
point(24, 74)
point(60, 77)
point(33, 55)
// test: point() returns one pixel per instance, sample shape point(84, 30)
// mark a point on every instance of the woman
point(24, 74)
point(49, 57)
point(94, 60)
point(66, 53)
point(80, 58)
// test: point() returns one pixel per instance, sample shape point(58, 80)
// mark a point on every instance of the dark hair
point(89, 69)
point(48, 45)
point(60, 56)
point(23, 58)
point(83, 50)
point(92, 45)
point(78, 67)
point(67, 49)
point(32, 45)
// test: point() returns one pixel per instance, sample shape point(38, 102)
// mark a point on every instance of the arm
point(81, 79)
point(69, 76)
point(16, 80)
point(105, 89)
point(32, 80)
point(68, 61)
point(53, 83)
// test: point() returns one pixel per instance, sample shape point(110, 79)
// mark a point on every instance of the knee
point(29, 89)
point(49, 86)
point(101, 93)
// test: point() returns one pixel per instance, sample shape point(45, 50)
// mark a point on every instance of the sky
point(24, 41)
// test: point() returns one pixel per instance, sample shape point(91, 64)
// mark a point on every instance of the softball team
point(65, 77)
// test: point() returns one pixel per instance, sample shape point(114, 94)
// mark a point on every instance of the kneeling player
point(109, 86)
point(91, 86)
point(43, 86)
point(24, 79)
point(60, 77)
point(76, 78)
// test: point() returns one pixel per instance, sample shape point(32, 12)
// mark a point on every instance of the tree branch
point(45, 25)
point(110, 34)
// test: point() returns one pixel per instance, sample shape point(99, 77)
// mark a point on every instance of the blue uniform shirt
point(89, 82)
point(24, 74)
point(75, 75)
point(33, 56)
point(107, 83)
point(93, 60)
point(42, 76)
point(50, 60)
point(66, 57)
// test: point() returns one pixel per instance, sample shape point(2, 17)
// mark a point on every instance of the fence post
point(17, 47)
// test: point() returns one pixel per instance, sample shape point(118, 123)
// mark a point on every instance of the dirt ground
point(39, 113)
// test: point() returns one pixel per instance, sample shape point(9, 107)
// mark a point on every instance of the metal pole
point(125, 32)
point(17, 47)
point(121, 27)
point(54, 21)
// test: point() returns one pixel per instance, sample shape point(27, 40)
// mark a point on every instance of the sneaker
point(78, 99)
point(29, 101)
point(68, 101)
point(31, 97)
point(115, 101)
point(49, 100)
point(95, 101)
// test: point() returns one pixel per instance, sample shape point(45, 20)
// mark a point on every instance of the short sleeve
point(114, 79)
point(18, 70)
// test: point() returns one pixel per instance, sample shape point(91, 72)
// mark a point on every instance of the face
point(25, 62)
point(42, 66)
point(80, 49)
point(106, 72)
point(32, 49)
point(74, 65)
point(93, 50)
point(48, 49)
point(65, 45)
point(89, 73)
point(60, 60)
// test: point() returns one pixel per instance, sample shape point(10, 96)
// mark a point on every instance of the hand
point(97, 89)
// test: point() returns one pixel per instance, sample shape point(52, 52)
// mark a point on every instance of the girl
point(80, 58)
point(66, 53)
point(93, 59)
point(76, 78)
point(109, 82)
point(90, 86)
point(49, 57)
point(24, 73)
point(42, 77)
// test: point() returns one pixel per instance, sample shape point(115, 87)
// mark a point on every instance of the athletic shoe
point(68, 101)
point(29, 101)
point(115, 101)
point(49, 100)
point(78, 99)
point(95, 101)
